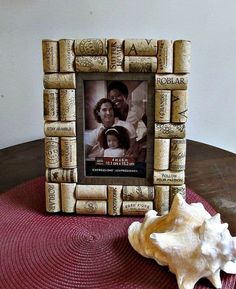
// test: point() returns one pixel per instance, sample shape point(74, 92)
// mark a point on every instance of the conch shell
point(188, 240)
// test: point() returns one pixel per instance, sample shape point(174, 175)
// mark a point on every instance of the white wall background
point(209, 24)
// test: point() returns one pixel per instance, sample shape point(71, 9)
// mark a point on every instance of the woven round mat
point(57, 251)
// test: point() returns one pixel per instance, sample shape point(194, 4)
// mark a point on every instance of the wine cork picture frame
point(114, 122)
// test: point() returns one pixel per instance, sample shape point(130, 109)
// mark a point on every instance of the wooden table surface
point(210, 172)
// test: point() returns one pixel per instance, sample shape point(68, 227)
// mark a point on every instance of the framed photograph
point(114, 116)
point(114, 121)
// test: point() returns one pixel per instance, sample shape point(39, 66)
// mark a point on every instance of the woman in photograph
point(135, 114)
point(118, 93)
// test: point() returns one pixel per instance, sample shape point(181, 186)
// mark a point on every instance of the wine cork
point(52, 196)
point(115, 55)
point(136, 207)
point(161, 154)
point(140, 47)
point(182, 56)
point(171, 81)
point(91, 192)
point(51, 104)
point(138, 193)
point(140, 64)
point(174, 190)
point(161, 203)
point(68, 152)
point(59, 80)
point(67, 104)
point(91, 207)
point(179, 106)
point(168, 177)
point(60, 175)
point(67, 55)
point(68, 197)
point(52, 152)
point(91, 46)
point(59, 128)
point(177, 154)
point(50, 56)
point(91, 63)
point(162, 106)
point(114, 200)
point(169, 130)
point(164, 56)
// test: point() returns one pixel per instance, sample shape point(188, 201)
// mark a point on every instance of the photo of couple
point(115, 133)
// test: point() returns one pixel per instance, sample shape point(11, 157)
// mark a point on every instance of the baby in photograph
point(115, 141)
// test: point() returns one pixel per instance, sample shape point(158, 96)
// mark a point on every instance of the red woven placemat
point(57, 251)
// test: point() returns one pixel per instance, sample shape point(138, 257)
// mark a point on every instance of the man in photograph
point(107, 115)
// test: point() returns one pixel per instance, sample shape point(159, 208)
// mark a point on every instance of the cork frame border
point(80, 111)
point(169, 61)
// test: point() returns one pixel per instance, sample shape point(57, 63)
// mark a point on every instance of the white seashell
point(188, 240)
